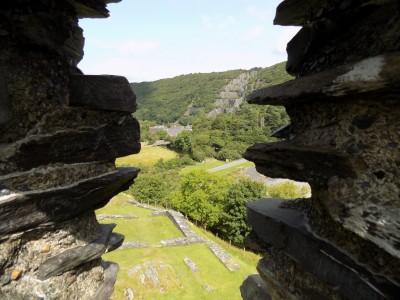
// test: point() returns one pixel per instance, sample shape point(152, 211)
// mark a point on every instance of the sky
point(146, 40)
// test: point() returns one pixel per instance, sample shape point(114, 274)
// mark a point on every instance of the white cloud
point(226, 23)
point(206, 23)
point(285, 36)
point(254, 32)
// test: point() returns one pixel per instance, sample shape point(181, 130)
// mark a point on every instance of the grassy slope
point(148, 156)
point(224, 284)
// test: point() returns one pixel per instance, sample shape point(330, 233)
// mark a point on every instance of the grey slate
point(288, 230)
point(71, 258)
point(104, 92)
point(81, 145)
point(19, 212)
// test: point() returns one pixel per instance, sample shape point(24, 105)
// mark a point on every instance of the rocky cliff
point(344, 242)
point(60, 132)
point(232, 95)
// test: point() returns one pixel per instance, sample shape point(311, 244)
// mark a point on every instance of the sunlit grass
point(223, 283)
point(147, 156)
point(150, 230)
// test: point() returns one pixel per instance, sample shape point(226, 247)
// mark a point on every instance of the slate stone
point(115, 242)
point(103, 92)
point(4, 102)
point(299, 12)
point(110, 277)
point(378, 75)
point(71, 258)
point(288, 230)
point(73, 146)
point(92, 8)
point(282, 132)
point(254, 288)
point(302, 163)
point(27, 210)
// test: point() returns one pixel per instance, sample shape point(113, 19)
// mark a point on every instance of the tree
point(153, 187)
point(201, 195)
point(233, 224)
point(183, 141)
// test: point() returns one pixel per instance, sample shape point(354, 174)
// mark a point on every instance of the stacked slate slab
point(60, 133)
point(344, 140)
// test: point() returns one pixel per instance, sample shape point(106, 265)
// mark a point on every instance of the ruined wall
point(60, 132)
point(344, 139)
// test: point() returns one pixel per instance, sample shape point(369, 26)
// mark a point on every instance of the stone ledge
point(19, 212)
point(288, 231)
point(374, 75)
point(302, 163)
point(72, 146)
point(103, 92)
point(71, 258)
point(110, 277)
point(254, 288)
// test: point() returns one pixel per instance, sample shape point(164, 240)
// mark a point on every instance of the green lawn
point(147, 156)
point(182, 283)
point(224, 283)
point(119, 206)
point(146, 229)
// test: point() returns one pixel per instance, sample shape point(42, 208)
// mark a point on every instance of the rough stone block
point(110, 277)
point(72, 146)
point(71, 258)
point(254, 288)
point(302, 163)
point(104, 92)
point(287, 229)
point(27, 210)
point(377, 75)
point(4, 102)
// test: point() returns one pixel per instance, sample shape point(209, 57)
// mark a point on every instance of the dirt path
point(231, 164)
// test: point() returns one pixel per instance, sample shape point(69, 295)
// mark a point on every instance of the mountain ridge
point(212, 93)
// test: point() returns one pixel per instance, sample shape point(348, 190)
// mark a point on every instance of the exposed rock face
point(232, 95)
point(344, 139)
point(60, 132)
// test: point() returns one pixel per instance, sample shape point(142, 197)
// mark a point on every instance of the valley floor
point(150, 268)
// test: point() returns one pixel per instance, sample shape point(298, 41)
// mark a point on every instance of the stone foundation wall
point(60, 132)
point(343, 139)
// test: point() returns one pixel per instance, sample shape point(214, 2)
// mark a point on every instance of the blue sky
point(154, 39)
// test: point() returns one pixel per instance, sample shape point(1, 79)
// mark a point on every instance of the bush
point(287, 190)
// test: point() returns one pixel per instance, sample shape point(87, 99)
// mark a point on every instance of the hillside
point(191, 94)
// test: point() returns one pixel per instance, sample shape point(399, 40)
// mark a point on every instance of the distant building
point(172, 131)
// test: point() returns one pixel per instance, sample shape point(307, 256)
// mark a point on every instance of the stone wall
point(60, 132)
point(344, 242)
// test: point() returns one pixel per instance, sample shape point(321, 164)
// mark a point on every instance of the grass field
point(147, 156)
point(213, 281)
